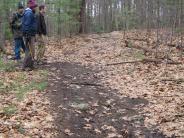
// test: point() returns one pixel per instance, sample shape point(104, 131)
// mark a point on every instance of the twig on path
point(179, 115)
point(138, 39)
point(100, 37)
point(173, 80)
point(146, 60)
point(172, 45)
point(179, 47)
point(145, 49)
point(86, 84)
point(126, 62)
point(165, 95)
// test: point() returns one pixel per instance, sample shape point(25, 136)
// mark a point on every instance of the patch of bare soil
point(83, 108)
point(159, 85)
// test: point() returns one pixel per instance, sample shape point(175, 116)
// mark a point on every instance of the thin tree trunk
point(82, 17)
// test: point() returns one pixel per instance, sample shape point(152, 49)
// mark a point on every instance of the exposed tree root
point(86, 84)
point(145, 49)
point(138, 39)
point(146, 60)
point(181, 80)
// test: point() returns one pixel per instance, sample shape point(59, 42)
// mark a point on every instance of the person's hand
point(36, 38)
point(46, 38)
point(19, 25)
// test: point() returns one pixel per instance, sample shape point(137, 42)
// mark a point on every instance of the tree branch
point(146, 60)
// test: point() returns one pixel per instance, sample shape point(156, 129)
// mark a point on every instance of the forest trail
point(127, 83)
point(96, 86)
point(92, 100)
point(86, 109)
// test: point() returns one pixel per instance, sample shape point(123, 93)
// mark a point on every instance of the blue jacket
point(29, 23)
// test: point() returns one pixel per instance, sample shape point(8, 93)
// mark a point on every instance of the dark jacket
point(41, 26)
point(29, 23)
point(16, 23)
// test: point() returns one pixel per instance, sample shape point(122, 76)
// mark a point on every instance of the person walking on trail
point(16, 24)
point(29, 29)
point(41, 33)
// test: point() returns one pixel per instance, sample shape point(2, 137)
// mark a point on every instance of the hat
point(41, 6)
point(32, 4)
point(20, 5)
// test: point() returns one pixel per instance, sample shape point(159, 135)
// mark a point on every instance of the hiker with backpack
point(41, 33)
point(29, 29)
point(16, 24)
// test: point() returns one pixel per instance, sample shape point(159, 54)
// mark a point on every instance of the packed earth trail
point(90, 99)
point(83, 93)
point(85, 109)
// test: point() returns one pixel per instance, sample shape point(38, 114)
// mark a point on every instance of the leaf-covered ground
point(24, 108)
point(86, 97)
point(145, 81)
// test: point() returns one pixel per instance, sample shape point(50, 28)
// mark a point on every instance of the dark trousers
point(19, 44)
point(30, 52)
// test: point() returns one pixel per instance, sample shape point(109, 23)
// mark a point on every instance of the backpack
point(15, 21)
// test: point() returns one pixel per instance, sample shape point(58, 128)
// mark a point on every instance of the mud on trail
point(92, 100)
point(85, 109)
point(96, 89)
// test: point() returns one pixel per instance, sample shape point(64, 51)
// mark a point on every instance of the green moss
point(7, 67)
point(10, 110)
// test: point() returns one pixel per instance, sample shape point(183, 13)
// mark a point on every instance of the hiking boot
point(41, 62)
point(45, 59)
point(19, 61)
point(27, 69)
point(13, 58)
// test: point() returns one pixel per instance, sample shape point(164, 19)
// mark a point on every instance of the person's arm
point(39, 25)
point(28, 19)
point(2, 49)
point(44, 29)
point(13, 21)
point(15, 24)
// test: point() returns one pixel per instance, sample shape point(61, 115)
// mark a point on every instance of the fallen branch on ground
point(179, 47)
point(172, 45)
point(173, 80)
point(86, 84)
point(165, 95)
point(146, 60)
point(100, 37)
point(139, 39)
point(179, 115)
point(145, 49)
point(126, 62)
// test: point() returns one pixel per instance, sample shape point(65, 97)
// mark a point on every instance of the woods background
point(95, 82)
point(68, 17)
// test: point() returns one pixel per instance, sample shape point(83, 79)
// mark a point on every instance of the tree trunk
point(82, 17)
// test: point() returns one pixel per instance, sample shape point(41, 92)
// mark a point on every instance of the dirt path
point(88, 99)
point(84, 109)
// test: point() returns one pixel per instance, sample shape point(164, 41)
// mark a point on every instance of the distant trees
point(109, 15)
point(67, 17)
point(82, 14)
point(5, 12)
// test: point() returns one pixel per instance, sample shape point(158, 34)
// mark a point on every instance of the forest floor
point(81, 93)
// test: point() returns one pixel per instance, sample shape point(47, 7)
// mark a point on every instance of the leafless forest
point(115, 69)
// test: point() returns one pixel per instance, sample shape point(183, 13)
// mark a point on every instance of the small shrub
point(140, 55)
point(41, 86)
point(10, 110)
point(7, 67)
